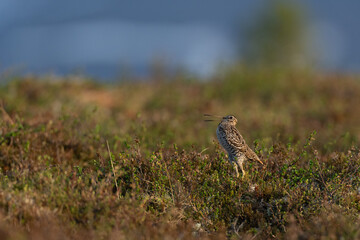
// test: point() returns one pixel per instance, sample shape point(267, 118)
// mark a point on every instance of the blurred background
point(110, 39)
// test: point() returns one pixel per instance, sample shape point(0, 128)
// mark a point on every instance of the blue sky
point(101, 37)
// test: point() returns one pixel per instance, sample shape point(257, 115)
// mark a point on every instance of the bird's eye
point(231, 117)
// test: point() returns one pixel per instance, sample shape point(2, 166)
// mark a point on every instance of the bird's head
point(230, 119)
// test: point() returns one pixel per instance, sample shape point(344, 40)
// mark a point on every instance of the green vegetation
point(166, 176)
point(278, 37)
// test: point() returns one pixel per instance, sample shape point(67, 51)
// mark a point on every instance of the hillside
point(166, 176)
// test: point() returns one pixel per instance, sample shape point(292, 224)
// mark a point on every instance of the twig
point(170, 185)
point(112, 166)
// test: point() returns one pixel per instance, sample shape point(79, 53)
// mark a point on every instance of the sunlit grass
point(166, 176)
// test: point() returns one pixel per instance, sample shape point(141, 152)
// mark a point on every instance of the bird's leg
point(239, 161)
point(242, 169)
point(236, 169)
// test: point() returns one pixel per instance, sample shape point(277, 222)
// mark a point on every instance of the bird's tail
point(258, 159)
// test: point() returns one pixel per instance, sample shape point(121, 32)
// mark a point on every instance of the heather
point(135, 160)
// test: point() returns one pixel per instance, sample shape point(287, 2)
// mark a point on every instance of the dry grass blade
point(6, 116)
point(112, 167)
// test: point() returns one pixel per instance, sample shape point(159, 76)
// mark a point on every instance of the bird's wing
point(235, 139)
point(251, 155)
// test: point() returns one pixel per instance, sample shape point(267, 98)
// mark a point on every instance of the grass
point(81, 160)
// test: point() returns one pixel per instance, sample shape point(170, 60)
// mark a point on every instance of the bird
point(234, 144)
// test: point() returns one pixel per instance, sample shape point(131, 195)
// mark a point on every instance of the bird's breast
point(221, 135)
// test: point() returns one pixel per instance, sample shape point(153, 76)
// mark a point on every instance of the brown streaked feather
point(235, 140)
point(251, 155)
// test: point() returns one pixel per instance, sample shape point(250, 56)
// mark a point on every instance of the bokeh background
point(110, 39)
point(102, 131)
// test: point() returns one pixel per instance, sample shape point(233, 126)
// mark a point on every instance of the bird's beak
point(209, 115)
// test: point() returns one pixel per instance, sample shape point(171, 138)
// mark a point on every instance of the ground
point(135, 160)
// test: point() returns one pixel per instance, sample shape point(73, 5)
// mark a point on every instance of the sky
point(102, 38)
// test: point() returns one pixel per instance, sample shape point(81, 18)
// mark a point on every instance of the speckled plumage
point(234, 144)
